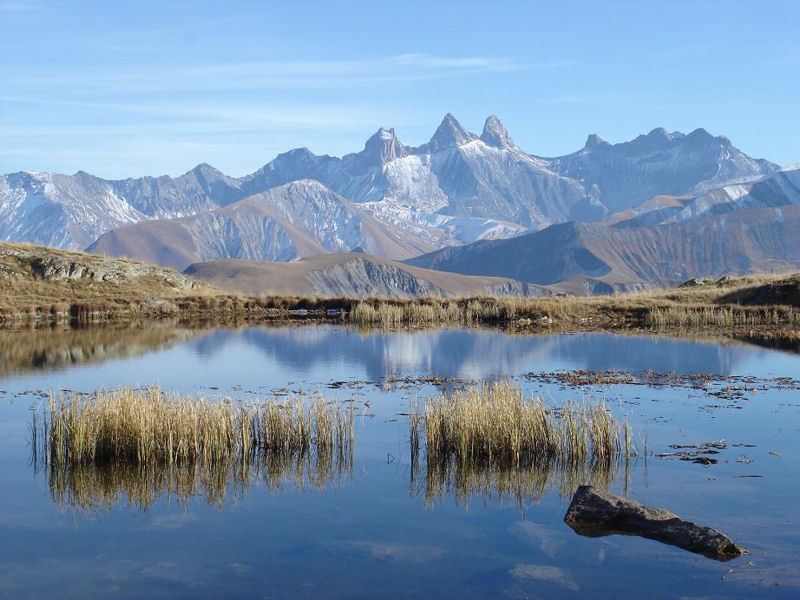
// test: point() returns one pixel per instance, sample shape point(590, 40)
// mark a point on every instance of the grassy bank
point(668, 309)
point(43, 286)
point(733, 303)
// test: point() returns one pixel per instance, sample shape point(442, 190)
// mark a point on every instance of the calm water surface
point(373, 531)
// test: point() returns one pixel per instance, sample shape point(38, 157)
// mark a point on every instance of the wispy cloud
point(164, 115)
point(272, 74)
point(183, 114)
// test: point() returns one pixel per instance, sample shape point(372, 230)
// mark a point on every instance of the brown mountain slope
point(350, 275)
point(595, 257)
point(650, 212)
point(292, 221)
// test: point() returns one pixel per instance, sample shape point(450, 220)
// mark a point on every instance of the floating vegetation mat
point(143, 443)
point(493, 442)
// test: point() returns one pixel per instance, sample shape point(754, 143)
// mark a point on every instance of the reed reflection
point(492, 443)
point(142, 445)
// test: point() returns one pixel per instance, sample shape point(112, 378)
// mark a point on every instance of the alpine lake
point(716, 425)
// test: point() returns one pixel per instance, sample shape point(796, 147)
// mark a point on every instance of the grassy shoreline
point(664, 312)
point(41, 286)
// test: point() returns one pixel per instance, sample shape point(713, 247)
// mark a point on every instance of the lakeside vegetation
point(491, 441)
point(49, 291)
point(143, 442)
point(146, 426)
point(728, 316)
point(496, 424)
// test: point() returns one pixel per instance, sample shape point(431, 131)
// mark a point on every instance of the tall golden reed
point(146, 427)
point(495, 423)
point(491, 439)
point(142, 444)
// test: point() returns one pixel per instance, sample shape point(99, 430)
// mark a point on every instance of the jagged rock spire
point(595, 140)
point(450, 133)
point(494, 134)
point(384, 147)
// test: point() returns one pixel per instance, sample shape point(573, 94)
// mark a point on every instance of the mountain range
point(596, 258)
point(609, 216)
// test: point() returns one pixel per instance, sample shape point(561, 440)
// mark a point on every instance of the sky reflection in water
point(376, 530)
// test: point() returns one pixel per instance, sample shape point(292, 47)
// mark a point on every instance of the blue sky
point(131, 88)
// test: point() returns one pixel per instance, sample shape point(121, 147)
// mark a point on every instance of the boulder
point(696, 282)
point(595, 513)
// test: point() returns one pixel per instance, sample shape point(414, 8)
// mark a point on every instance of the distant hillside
point(19, 262)
point(659, 163)
point(350, 275)
point(778, 189)
point(72, 211)
point(593, 257)
point(295, 220)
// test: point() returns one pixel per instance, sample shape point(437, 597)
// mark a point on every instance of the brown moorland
point(40, 285)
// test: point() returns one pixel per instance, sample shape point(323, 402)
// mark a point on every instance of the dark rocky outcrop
point(696, 282)
point(785, 292)
point(596, 513)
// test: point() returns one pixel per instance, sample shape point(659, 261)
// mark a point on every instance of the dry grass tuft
point(143, 443)
point(491, 438)
point(495, 423)
point(724, 317)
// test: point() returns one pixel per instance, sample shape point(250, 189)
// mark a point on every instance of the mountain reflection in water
point(463, 353)
point(475, 353)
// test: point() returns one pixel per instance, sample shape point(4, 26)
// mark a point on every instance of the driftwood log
point(595, 513)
